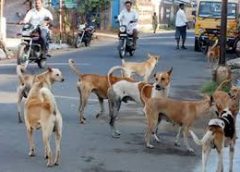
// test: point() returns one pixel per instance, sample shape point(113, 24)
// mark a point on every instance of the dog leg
point(156, 130)
point(31, 142)
point(113, 111)
point(220, 161)
point(231, 155)
point(58, 137)
point(177, 143)
point(46, 133)
point(84, 95)
point(20, 96)
point(101, 102)
point(152, 123)
point(205, 154)
point(185, 137)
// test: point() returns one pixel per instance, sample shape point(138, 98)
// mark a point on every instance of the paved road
point(89, 147)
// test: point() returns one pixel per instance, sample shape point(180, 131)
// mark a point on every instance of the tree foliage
point(88, 6)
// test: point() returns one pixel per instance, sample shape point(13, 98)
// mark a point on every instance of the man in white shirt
point(40, 16)
point(129, 16)
point(181, 26)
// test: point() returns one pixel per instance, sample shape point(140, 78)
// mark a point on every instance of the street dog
point(220, 133)
point(213, 52)
point(183, 113)
point(122, 91)
point(93, 83)
point(41, 111)
point(143, 69)
point(26, 81)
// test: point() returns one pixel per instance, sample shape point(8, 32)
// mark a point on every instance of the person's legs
point(184, 34)
point(135, 36)
point(44, 39)
point(177, 36)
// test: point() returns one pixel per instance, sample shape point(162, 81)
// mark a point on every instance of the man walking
point(181, 26)
point(154, 22)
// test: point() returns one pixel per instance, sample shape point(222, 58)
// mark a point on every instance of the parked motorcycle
point(126, 40)
point(30, 49)
point(85, 33)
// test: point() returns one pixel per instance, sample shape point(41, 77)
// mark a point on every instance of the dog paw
point(99, 114)
point(190, 150)
point(149, 146)
point(156, 138)
point(49, 164)
point(116, 135)
point(177, 144)
point(82, 121)
point(31, 154)
point(56, 163)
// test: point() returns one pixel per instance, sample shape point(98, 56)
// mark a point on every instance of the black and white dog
point(220, 133)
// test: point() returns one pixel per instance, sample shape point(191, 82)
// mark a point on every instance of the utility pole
point(1, 19)
point(223, 33)
point(223, 72)
point(60, 20)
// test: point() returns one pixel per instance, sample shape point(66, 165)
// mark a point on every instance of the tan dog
point(183, 113)
point(220, 132)
point(143, 69)
point(41, 111)
point(122, 91)
point(89, 83)
point(26, 81)
point(213, 53)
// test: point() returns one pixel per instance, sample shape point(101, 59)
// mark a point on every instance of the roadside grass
point(211, 86)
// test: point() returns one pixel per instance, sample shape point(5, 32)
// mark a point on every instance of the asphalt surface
point(90, 147)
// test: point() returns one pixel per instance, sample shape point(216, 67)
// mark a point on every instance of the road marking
point(164, 37)
point(55, 64)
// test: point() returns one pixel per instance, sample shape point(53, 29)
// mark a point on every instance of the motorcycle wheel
point(21, 54)
point(121, 49)
point(42, 63)
point(78, 42)
point(237, 47)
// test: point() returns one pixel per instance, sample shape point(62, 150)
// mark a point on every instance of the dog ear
point(49, 69)
point(170, 71)
point(157, 58)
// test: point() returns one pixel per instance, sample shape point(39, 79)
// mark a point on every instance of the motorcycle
point(30, 49)
point(85, 33)
point(126, 39)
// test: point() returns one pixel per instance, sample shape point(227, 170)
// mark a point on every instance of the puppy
point(213, 53)
point(143, 69)
point(50, 76)
point(41, 111)
point(97, 84)
point(220, 131)
point(183, 113)
point(122, 91)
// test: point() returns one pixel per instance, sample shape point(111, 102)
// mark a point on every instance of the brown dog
point(26, 81)
point(183, 113)
point(40, 111)
point(143, 69)
point(89, 83)
point(213, 53)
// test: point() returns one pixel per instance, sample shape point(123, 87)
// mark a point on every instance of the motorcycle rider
point(127, 16)
point(43, 17)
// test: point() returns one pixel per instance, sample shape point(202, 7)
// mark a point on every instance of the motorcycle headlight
point(122, 29)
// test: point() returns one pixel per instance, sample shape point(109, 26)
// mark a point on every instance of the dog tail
point(215, 44)
point(110, 72)
point(20, 70)
point(71, 64)
point(207, 137)
point(222, 83)
point(143, 96)
point(47, 96)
